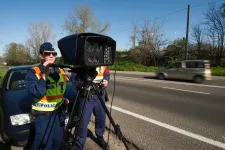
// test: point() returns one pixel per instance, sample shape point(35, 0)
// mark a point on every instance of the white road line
point(168, 82)
point(184, 90)
point(172, 128)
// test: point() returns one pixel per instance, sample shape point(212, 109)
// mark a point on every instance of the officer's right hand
point(47, 63)
point(46, 72)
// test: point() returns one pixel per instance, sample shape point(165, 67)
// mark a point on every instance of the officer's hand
point(105, 82)
point(46, 73)
point(47, 63)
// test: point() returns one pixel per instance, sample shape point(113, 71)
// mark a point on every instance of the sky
point(17, 15)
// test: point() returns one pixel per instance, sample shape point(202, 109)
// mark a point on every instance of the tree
point(175, 50)
point(150, 38)
point(215, 22)
point(17, 54)
point(198, 38)
point(151, 33)
point(83, 20)
point(39, 33)
point(133, 38)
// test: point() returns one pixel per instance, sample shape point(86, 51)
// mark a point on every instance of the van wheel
point(198, 79)
point(161, 76)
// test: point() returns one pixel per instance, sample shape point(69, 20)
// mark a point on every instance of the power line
point(206, 3)
point(169, 14)
point(159, 18)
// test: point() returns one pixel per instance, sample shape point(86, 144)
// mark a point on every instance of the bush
point(129, 65)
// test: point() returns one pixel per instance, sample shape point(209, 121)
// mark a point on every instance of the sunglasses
point(49, 53)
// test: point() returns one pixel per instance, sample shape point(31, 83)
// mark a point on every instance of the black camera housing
point(87, 50)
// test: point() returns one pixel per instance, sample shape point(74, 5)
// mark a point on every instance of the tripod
point(70, 138)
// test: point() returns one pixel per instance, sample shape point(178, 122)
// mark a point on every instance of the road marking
point(167, 82)
point(184, 90)
point(172, 128)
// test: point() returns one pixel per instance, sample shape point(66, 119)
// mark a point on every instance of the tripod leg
point(116, 127)
point(77, 126)
point(65, 136)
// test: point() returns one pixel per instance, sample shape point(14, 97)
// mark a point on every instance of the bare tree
point(150, 40)
point(133, 38)
point(39, 33)
point(215, 23)
point(152, 34)
point(198, 37)
point(83, 20)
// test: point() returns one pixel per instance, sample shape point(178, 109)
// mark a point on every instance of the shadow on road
point(149, 77)
point(92, 137)
point(177, 80)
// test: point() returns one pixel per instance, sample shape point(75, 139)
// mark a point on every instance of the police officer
point(92, 105)
point(47, 86)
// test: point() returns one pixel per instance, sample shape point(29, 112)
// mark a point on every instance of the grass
point(218, 71)
point(2, 73)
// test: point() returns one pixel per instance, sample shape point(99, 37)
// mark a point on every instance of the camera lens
point(96, 59)
point(90, 59)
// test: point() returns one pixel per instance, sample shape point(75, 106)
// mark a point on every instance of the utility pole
point(187, 31)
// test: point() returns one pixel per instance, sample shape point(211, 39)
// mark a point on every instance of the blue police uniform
point(92, 105)
point(48, 123)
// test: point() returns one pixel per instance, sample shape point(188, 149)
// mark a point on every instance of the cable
point(206, 3)
point(110, 111)
point(175, 12)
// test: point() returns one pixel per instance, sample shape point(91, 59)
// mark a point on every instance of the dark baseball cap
point(47, 46)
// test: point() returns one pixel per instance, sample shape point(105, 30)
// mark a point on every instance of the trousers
point(94, 106)
point(48, 131)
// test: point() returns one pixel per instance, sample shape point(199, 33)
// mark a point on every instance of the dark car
point(15, 107)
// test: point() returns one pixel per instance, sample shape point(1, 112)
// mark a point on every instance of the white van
point(195, 70)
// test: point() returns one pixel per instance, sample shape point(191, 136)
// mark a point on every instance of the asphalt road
point(169, 115)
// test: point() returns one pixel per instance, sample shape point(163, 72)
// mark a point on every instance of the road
point(169, 115)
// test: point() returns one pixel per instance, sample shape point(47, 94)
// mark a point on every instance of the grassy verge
point(218, 71)
point(2, 73)
point(128, 65)
point(132, 66)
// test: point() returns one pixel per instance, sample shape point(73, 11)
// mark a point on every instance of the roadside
point(114, 142)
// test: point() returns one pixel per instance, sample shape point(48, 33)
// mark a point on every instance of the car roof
point(25, 67)
point(193, 60)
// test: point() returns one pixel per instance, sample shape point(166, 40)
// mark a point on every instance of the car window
point(16, 80)
point(176, 65)
point(195, 64)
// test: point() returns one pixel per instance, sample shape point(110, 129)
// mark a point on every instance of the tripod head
point(86, 74)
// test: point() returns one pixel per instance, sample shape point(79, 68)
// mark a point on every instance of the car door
point(193, 68)
point(174, 71)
